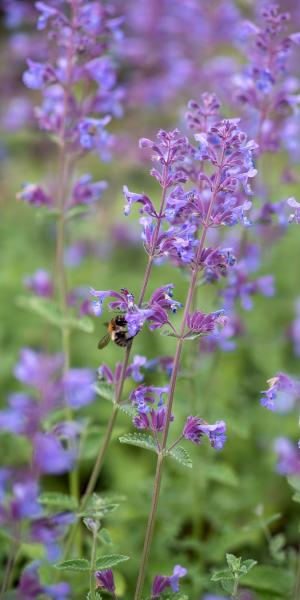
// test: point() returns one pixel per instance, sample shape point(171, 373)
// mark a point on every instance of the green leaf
point(294, 482)
point(78, 210)
point(127, 409)
point(99, 506)
point(106, 391)
point(104, 537)
point(221, 575)
point(74, 564)
point(110, 560)
point(97, 595)
point(270, 579)
point(181, 455)
point(276, 547)
point(234, 562)
point(143, 440)
point(247, 565)
point(57, 500)
point(192, 336)
point(51, 312)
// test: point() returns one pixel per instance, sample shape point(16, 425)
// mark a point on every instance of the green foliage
point(236, 570)
point(181, 455)
point(57, 501)
point(142, 440)
point(51, 312)
point(270, 579)
point(110, 560)
point(74, 564)
point(105, 391)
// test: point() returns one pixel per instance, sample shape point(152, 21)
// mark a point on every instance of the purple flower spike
point(105, 580)
point(195, 428)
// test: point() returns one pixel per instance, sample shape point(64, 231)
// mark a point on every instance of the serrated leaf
point(247, 565)
point(74, 564)
point(234, 562)
point(97, 596)
point(57, 500)
point(270, 579)
point(127, 409)
point(181, 455)
point(143, 440)
point(220, 575)
point(106, 391)
point(110, 560)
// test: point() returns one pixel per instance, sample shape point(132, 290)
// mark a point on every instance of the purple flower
point(86, 192)
point(294, 330)
point(161, 582)
point(40, 283)
point(295, 216)
point(49, 455)
point(123, 302)
point(102, 70)
point(282, 393)
point(105, 580)
point(201, 323)
point(48, 530)
point(195, 428)
point(23, 415)
point(92, 135)
point(34, 195)
point(288, 457)
point(36, 368)
point(79, 387)
point(38, 75)
point(47, 12)
point(131, 198)
point(31, 588)
point(24, 503)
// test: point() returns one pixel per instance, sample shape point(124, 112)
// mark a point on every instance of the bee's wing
point(104, 341)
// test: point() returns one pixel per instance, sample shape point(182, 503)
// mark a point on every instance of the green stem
point(10, 563)
point(93, 567)
point(234, 594)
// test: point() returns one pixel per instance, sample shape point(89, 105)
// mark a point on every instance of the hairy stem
point(175, 369)
point(93, 566)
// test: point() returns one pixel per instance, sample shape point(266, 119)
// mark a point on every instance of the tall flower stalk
point(232, 158)
point(170, 147)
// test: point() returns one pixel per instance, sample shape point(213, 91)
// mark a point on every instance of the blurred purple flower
point(49, 530)
point(34, 195)
point(50, 456)
point(40, 283)
point(282, 393)
point(30, 586)
point(288, 457)
point(86, 192)
point(79, 387)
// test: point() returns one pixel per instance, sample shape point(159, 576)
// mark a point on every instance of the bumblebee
point(117, 331)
